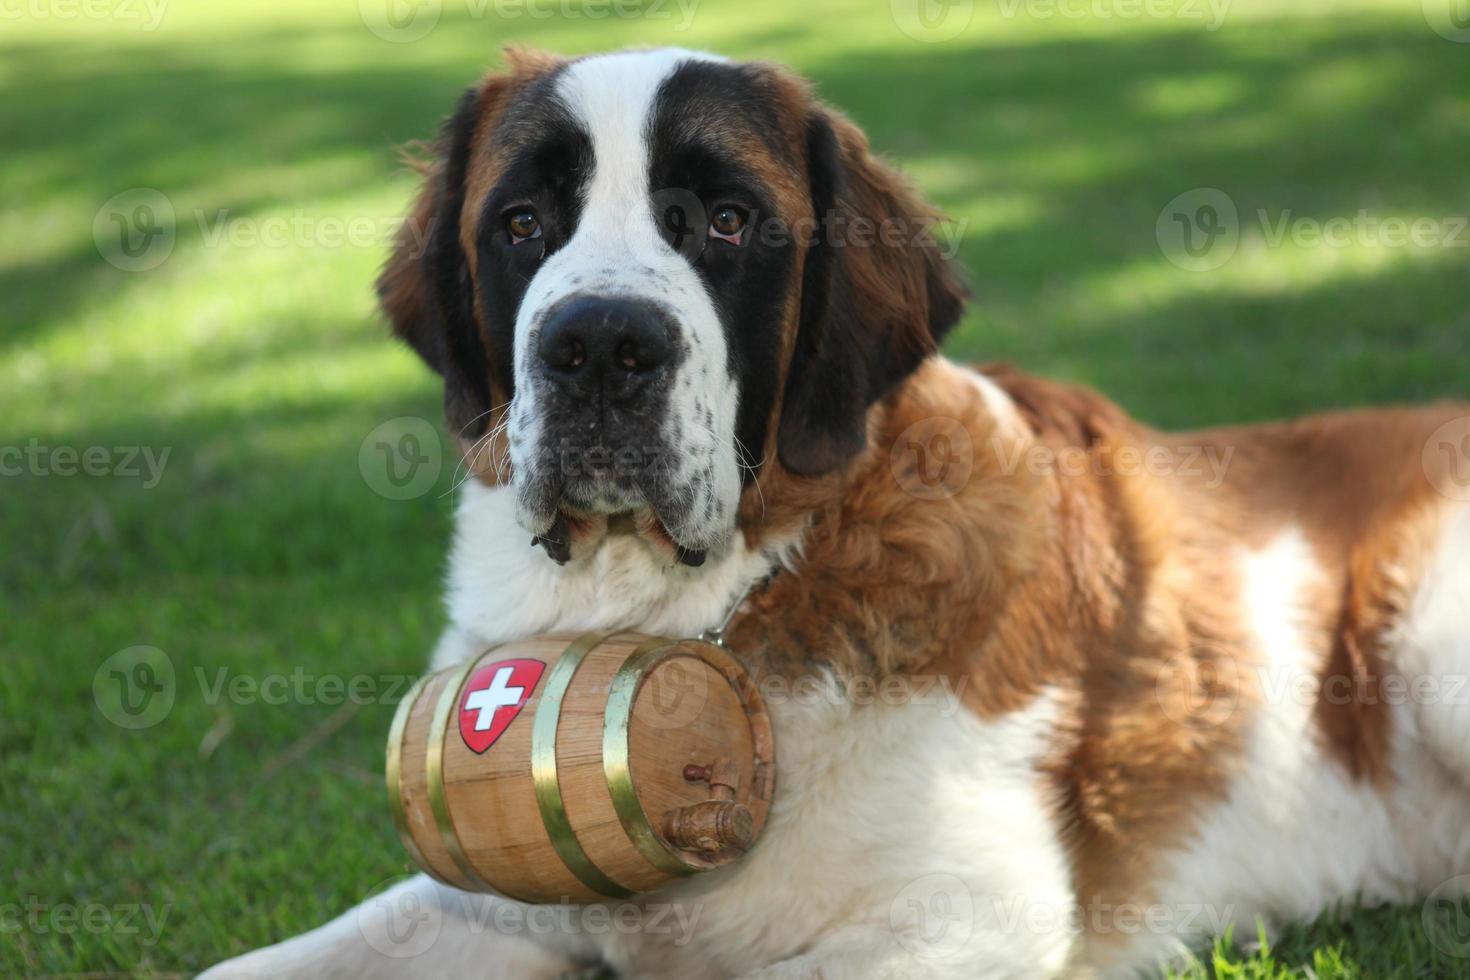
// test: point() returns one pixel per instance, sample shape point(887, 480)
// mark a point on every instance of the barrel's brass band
point(544, 771)
point(616, 762)
point(395, 778)
point(616, 737)
point(438, 728)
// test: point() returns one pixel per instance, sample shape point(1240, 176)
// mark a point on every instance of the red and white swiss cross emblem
point(493, 697)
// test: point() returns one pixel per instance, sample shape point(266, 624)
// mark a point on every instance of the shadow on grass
point(1097, 135)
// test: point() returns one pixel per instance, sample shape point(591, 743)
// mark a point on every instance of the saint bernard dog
point(1055, 694)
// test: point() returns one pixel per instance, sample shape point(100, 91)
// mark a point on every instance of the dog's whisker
point(741, 455)
point(471, 462)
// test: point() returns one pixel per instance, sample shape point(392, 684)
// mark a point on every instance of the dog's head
point(646, 276)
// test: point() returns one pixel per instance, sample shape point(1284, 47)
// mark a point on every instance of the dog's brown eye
point(522, 225)
point(727, 223)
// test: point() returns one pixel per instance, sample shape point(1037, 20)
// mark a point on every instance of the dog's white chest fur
point(899, 816)
point(905, 834)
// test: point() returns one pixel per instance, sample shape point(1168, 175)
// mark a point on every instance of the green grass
point(264, 550)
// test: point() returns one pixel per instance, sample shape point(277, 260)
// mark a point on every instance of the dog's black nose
point(612, 344)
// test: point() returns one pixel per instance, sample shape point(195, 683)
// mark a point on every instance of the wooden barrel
point(581, 768)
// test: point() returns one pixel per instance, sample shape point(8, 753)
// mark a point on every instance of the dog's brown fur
point(1116, 590)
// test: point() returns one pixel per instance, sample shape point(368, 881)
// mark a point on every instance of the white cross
point(491, 699)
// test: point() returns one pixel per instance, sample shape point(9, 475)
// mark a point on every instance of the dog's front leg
point(420, 928)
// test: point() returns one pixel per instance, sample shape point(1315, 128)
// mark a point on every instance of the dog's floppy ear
point(874, 305)
point(426, 289)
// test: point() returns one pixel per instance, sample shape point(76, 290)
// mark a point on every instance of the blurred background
point(224, 494)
